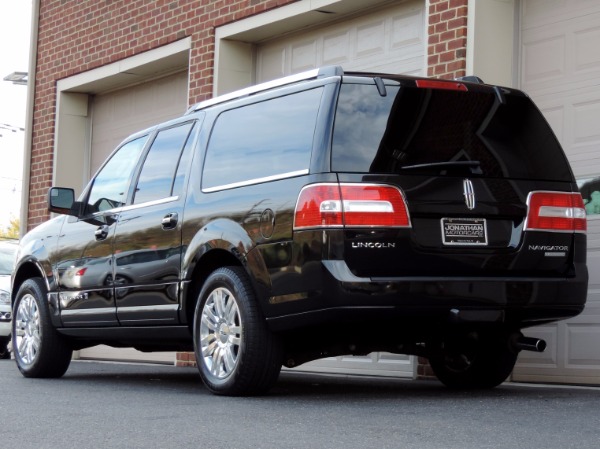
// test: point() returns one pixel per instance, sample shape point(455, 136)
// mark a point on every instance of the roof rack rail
point(291, 79)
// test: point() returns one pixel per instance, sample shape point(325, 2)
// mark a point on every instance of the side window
point(109, 189)
point(161, 165)
point(271, 138)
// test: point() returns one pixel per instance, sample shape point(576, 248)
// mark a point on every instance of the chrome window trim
point(117, 210)
point(249, 182)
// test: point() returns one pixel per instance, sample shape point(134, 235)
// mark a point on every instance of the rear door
point(468, 159)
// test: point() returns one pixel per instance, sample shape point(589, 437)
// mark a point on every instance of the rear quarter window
point(261, 141)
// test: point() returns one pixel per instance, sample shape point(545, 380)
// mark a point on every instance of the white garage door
point(116, 115)
point(385, 40)
point(560, 56)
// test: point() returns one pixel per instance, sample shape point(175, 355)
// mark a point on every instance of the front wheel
point(235, 351)
point(474, 361)
point(39, 350)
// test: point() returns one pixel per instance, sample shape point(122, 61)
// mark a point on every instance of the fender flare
point(228, 237)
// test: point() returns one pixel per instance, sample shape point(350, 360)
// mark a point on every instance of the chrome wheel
point(27, 329)
point(220, 333)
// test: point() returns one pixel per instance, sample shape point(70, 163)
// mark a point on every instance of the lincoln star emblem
point(469, 194)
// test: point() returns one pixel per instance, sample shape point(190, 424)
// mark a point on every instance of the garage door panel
point(544, 60)
point(272, 63)
point(407, 29)
point(370, 40)
point(544, 12)
point(304, 56)
point(587, 50)
point(561, 57)
point(586, 116)
point(337, 48)
point(574, 118)
point(583, 353)
point(593, 237)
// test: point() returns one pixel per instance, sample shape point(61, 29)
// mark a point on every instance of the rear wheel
point(236, 353)
point(474, 361)
point(39, 350)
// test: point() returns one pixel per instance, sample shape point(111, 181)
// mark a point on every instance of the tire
point(4, 352)
point(39, 350)
point(236, 353)
point(474, 363)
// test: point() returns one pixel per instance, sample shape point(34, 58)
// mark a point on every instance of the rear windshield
point(433, 131)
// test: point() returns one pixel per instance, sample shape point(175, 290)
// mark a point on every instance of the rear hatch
point(486, 186)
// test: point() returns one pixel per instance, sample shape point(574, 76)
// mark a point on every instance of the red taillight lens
point(319, 205)
point(81, 271)
point(556, 211)
point(351, 205)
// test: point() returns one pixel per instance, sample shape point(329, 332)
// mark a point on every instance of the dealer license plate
point(464, 231)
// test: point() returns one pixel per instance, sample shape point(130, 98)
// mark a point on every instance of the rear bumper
point(428, 301)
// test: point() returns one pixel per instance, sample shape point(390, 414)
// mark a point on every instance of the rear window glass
point(254, 143)
point(410, 130)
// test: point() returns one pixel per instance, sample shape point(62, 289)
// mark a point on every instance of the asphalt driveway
point(109, 405)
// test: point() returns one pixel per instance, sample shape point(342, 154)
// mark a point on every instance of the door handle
point(169, 221)
point(101, 232)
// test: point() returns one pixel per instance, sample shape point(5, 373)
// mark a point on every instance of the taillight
point(81, 271)
point(350, 205)
point(319, 205)
point(556, 211)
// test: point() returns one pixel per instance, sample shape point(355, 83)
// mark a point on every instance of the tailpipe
point(522, 343)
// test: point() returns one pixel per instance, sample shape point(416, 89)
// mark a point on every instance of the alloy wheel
point(220, 333)
point(27, 329)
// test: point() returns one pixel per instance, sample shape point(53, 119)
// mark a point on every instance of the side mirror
point(61, 200)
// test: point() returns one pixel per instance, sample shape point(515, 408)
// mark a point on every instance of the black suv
point(322, 214)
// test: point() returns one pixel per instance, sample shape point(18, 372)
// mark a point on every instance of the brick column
point(447, 44)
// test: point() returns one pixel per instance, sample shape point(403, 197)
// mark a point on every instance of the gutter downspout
point(33, 45)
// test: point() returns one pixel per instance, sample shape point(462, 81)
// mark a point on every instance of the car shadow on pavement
point(304, 386)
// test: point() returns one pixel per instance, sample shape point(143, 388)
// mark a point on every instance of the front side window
point(262, 140)
point(158, 173)
point(109, 189)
